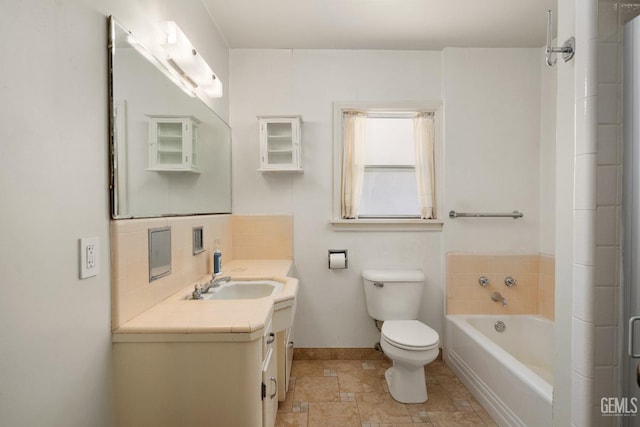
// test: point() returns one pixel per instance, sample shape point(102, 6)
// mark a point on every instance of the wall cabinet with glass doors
point(280, 143)
point(173, 143)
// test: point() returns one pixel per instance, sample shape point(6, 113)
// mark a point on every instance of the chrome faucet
point(499, 298)
point(213, 283)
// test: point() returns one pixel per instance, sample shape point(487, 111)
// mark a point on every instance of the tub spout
point(499, 298)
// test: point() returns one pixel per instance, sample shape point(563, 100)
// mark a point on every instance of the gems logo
point(619, 406)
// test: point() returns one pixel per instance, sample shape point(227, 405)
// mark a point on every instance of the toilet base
point(406, 383)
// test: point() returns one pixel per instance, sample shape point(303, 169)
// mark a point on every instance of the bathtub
point(510, 373)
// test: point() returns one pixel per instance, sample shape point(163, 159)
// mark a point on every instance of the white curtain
point(353, 130)
point(423, 135)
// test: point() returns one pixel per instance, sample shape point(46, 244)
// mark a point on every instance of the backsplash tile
point(262, 237)
point(131, 291)
point(532, 294)
point(241, 237)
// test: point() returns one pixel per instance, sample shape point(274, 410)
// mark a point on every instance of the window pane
point(389, 141)
point(389, 192)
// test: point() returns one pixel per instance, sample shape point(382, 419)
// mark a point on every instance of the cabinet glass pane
point(170, 143)
point(279, 143)
point(280, 157)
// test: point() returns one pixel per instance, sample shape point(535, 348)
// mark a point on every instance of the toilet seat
point(409, 335)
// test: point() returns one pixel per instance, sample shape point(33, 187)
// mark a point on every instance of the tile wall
point(257, 237)
point(532, 294)
point(262, 236)
point(612, 15)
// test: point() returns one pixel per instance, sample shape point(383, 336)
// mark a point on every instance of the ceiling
point(380, 24)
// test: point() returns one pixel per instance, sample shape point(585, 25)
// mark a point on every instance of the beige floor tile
point(316, 389)
point(455, 419)
point(362, 381)
point(381, 408)
point(287, 404)
point(455, 389)
point(484, 415)
point(407, 425)
point(341, 366)
point(344, 393)
point(333, 414)
point(307, 368)
point(299, 419)
point(438, 367)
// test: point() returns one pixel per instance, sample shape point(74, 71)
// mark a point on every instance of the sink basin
point(249, 289)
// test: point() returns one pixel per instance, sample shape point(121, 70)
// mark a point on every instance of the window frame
point(391, 223)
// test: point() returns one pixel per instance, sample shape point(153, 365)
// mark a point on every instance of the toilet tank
point(393, 294)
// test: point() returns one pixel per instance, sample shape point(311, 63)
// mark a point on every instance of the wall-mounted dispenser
point(159, 252)
point(338, 259)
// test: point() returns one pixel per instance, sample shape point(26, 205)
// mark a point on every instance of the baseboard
point(341, 354)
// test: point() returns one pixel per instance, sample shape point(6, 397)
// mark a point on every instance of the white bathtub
point(510, 373)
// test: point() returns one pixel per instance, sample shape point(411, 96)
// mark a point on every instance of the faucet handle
point(510, 282)
point(483, 281)
point(197, 292)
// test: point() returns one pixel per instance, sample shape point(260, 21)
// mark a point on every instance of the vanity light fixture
point(160, 66)
point(188, 63)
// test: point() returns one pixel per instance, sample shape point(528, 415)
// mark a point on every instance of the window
point(389, 186)
point(387, 164)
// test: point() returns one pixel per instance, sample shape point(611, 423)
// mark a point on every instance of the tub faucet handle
point(510, 282)
point(483, 281)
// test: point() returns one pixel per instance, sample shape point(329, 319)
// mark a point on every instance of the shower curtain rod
point(514, 215)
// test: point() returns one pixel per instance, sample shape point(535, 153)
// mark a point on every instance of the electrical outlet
point(89, 257)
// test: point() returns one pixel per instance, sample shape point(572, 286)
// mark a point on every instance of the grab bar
point(514, 215)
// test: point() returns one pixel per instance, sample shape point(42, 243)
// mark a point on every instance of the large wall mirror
point(170, 153)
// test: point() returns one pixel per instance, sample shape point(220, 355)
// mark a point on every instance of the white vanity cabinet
point(168, 380)
point(173, 143)
point(280, 143)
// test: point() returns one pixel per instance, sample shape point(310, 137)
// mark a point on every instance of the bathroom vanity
point(207, 362)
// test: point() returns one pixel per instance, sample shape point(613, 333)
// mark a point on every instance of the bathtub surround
point(132, 293)
point(533, 292)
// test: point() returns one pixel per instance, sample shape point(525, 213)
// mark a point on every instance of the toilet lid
point(410, 333)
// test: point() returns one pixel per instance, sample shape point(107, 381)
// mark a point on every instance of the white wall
point(492, 142)
point(331, 310)
point(492, 104)
point(56, 341)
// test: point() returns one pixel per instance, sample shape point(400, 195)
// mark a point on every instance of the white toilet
point(394, 296)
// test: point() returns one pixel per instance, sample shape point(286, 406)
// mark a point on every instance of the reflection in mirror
point(171, 154)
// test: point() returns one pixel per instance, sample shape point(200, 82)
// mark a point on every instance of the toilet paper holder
point(338, 251)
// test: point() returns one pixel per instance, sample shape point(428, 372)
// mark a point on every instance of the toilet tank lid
point(393, 275)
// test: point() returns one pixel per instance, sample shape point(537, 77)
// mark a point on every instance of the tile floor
point(345, 393)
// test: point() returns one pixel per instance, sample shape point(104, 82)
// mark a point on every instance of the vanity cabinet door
point(284, 343)
point(269, 389)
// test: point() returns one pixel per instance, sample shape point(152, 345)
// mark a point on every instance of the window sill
point(387, 224)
